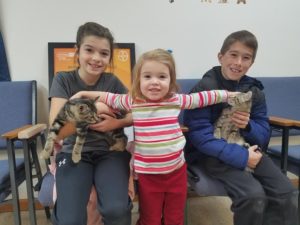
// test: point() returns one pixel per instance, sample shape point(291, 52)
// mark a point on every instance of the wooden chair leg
point(36, 162)
point(29, 183)
point(13, 180)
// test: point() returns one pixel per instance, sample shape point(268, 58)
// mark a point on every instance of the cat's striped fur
point(224, 128)
point(81, 112)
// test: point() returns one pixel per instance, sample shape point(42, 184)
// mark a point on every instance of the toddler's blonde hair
point(158, 55)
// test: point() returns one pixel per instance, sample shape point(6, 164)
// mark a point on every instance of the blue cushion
point(206, 185)
point(293, 153)
point(282, 97)
point(45, 196)
point(185, 85)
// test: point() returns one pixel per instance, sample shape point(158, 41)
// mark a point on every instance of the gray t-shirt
point(66, 84)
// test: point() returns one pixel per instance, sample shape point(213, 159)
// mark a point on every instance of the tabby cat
point(224, 128)
point(81, 112)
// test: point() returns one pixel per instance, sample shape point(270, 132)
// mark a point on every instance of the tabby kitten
point(224, 128)
point(81, 112)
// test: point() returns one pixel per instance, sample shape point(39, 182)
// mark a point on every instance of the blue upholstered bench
point(282, 96)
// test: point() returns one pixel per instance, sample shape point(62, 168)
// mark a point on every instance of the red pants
point(162, 197)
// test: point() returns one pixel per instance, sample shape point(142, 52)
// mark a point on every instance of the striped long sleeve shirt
point(159, 141)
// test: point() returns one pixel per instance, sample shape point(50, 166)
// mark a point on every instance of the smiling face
point(236, 61)
point(154, 80)
point(94, 56)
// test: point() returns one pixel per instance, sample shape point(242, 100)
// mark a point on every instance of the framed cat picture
point(61, 57)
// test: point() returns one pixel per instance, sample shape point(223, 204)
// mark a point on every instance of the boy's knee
point(257, 204)
point(290, 199)
point(116, 211)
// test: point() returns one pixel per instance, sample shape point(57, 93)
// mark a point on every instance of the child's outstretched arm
point(213, 97)
point(91, 94)
point(116, 101)
point(206, 98)
point(110, 100)
point(216, 96)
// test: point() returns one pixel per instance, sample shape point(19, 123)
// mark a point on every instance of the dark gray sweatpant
point(108, 171)
point(265, 197)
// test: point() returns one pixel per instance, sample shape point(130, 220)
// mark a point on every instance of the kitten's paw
point(76, 158)
point(45, 155)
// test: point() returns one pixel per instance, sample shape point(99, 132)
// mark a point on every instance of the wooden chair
point(20, 133)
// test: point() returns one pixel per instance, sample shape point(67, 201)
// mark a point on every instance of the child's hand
point(254, 156)
point(232, 94)
point(107, 123)
point(79, 94)
point(104, 109)
point(231, 97)
point(240, 119)
point(58, 146)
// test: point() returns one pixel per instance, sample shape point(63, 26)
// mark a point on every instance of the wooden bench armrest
point(32, 131)
point(283, 122)
point(285, 125)
point(24, 132)
point(14, 133)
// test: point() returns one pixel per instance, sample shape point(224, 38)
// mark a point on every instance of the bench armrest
point(32, 131)
point(25, 132)
point(284, 122)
